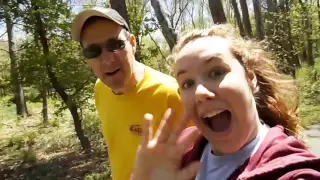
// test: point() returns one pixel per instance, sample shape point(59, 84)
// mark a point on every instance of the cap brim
point(82, 17)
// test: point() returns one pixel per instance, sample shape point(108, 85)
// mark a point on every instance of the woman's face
point(217, 94)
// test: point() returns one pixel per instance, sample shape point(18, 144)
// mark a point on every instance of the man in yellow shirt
point(125, 90)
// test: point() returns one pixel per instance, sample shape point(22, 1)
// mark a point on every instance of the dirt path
point(313, 138)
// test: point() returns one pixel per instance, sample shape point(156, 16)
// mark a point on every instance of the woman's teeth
point(212, 113)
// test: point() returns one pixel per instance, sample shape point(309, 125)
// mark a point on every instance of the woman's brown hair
point(274, 88)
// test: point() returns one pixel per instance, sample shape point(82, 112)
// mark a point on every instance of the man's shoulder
point(101, 90)
point(161, 80)
point(100, 86)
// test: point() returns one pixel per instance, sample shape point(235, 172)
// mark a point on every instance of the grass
point(30, 149)
point(309, 115)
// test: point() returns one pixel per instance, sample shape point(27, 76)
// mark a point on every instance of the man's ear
point(132, 40)
point(253, 82)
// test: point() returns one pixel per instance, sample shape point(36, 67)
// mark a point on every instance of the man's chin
point(118, 91)
point(116, 87)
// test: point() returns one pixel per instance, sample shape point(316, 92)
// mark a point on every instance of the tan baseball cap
point(84, 15)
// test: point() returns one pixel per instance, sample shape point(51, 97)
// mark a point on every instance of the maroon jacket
point(278, 157)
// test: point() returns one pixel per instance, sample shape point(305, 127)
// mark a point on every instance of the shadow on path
point(313, 138)
point(68, 166)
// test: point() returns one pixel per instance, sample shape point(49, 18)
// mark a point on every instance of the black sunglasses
point(111, 45)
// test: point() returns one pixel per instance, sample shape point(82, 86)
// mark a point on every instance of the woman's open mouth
point(218, 121)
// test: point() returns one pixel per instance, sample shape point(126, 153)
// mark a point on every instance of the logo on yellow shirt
point(136, 129)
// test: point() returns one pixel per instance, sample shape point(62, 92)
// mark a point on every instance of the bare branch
point(159, 49)
point(175, 10)
point(4, 50)
point(181, 12)
point(24, 25)
point(3, 34)
point(192, 20)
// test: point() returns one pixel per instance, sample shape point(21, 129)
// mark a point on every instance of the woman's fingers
point(165, 126)
point(177, 130)
point(147, 130)
point(190, 171)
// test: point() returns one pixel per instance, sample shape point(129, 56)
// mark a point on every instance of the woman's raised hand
point(159, 157)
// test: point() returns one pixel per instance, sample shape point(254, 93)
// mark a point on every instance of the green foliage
point(28, 155)
point(49, 151)
point(309, 79)
point(309, 115)
point(69, 67)
point(91, 125)
point(309, 83)
point(286, 34)
point(105, 174)
point(4, 70)
point(136, 15)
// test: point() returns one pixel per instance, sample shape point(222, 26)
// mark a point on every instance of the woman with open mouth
point(244, 129)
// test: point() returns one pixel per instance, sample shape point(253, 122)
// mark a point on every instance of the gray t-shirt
point(221, 167)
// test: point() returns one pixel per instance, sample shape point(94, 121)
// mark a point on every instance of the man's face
point(114, 69)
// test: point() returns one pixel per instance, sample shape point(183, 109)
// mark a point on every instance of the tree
point(121, 7)
point(136, 13)
point(258, 18)
point(270, 17)
point(9, 14)
point(287, 41)
point(67, 99)
point(318, 7)
point(217, 12)
point(167, 31)
point(238, 17)
point(245, 18)
point(308, 32)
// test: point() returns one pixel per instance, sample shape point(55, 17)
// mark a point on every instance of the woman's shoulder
point(283, 156)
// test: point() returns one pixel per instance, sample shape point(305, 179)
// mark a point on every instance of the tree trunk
point(271, 21)
point(19, 100)
point(294, 55)
point(43, 89)
point(318, 7)
point(217, 12)
point(167, 31)
point(258, 18)
point(245, 17)
point(44, 105)
point(121, 7)
point(308, 33)
point(287, 42)
point(72, 106)
point(238, 17)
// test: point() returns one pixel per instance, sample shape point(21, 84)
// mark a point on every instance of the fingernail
point(148, 116)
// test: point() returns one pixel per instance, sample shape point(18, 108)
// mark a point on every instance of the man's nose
point(202, 94)
point(107, 57)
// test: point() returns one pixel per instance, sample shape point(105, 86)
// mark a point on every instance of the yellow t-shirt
point(122, 116)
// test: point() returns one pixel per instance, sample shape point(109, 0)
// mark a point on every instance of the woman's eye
point(215, 73)
point(187, 84)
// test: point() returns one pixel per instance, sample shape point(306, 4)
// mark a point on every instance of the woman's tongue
point(219, 122)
